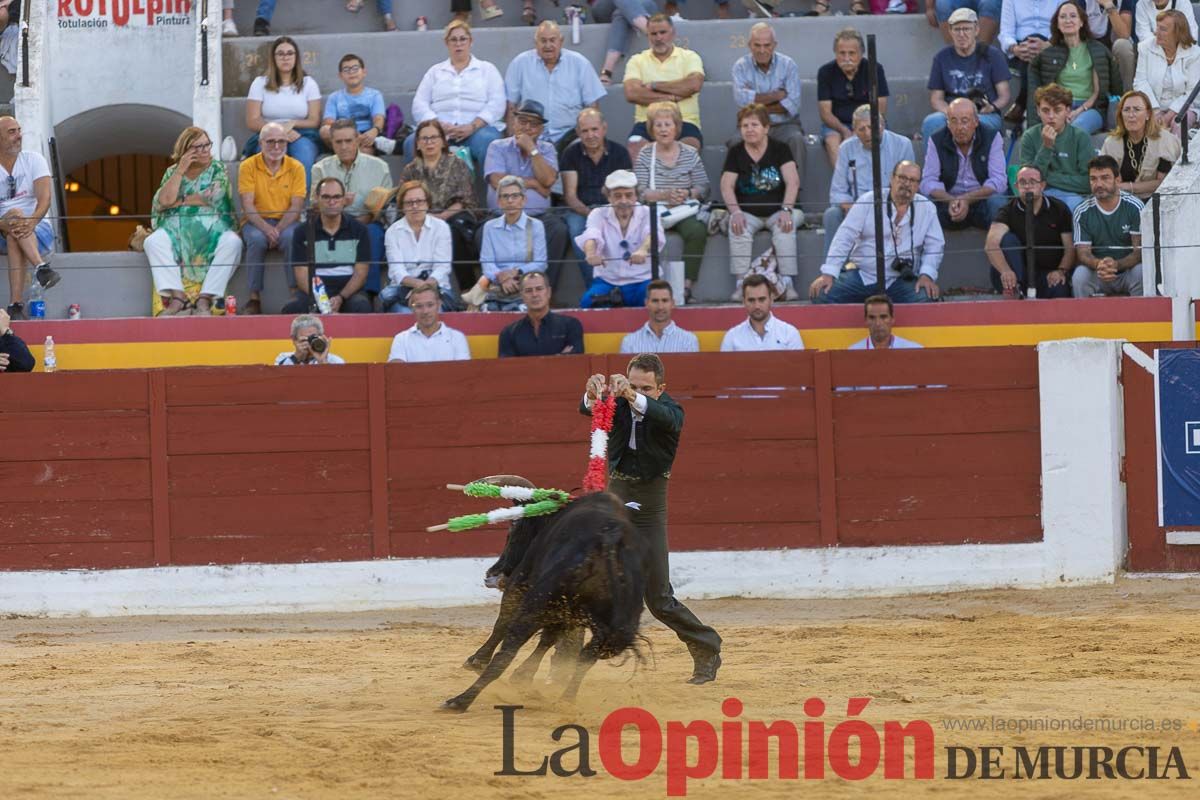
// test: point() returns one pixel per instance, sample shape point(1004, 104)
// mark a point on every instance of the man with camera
point(964, 172)
point(311, 344)
point(913, 246)
point(341, 252)
point(968, 69)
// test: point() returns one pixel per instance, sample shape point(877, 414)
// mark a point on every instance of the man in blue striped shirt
point(660, 334)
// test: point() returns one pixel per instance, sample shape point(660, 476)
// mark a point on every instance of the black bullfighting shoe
point(707, 662)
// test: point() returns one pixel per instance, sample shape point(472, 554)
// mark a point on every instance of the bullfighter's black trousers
point(651, 524)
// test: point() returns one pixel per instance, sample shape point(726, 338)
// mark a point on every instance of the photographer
point(913, 247)
point(967, 69)
point(311, 344)
point(14, 354)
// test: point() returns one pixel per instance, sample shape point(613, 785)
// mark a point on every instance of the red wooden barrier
point(262, 464)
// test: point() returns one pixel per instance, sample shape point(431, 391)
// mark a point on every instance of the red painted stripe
point(805, 317)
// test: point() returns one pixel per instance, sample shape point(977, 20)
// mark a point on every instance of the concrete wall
point(1083, 517)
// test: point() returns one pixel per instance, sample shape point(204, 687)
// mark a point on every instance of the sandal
point(354, 6)
point(488, 12)
point(820, 9)
point(204, 310)
point(529, 16)
point(172, 306)
point(606, 77)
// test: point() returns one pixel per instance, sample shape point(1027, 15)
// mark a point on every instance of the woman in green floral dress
point(195, 247)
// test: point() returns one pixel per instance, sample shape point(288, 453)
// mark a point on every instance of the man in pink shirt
point(616, 243)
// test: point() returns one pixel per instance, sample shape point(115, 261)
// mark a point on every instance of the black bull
point(581, 566)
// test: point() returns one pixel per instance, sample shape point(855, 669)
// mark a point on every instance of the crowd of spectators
point(531, 133)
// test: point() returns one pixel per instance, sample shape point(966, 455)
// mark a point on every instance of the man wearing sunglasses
point(26, 236)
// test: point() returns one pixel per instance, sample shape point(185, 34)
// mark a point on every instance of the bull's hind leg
point(518, 634)
point(529, 667)
point(587, 657)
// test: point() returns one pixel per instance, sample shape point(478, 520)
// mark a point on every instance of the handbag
point(497, 300)
point(669, 216)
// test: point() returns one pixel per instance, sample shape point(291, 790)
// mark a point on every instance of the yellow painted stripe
point(144, 355)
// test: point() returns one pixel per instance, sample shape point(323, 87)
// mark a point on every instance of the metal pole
point(1180, 119)
point(60, 197)
point(654, 267)
point(1030, 252)
point(876, 166)
point(1156, 214)
point(25, 43)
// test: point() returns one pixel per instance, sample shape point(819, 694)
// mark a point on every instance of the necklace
point(1134, 155)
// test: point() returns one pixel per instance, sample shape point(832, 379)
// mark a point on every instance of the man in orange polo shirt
point(272, 187)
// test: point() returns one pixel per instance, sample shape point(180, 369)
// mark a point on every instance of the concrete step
point(8, 83)
point(906, 46)
point(118, 284)
point(330, 17)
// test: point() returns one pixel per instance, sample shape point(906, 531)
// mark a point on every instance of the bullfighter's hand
point(595, 387)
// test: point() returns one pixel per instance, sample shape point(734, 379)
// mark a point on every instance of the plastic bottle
point(49, 360)
point(37, 301)
point(575, 14)
point(321, 297)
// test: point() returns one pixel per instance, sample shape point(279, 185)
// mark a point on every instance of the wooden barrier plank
point(929, 411)
point(226, 475)
point(41, 522)
point(250, 549)
point(68, 435)
point(156, 386)
point(79, 391)
point(826, 458)
point(267, 428)
point(488, 423)
point(779, 484)
point(416, 543)
point(709, 374)
point(48, 481)
point(742, 536)
point(377, 419)
point(948, 498)
point(715, 420)
point(222, 386)
point(975, 367)
point(274, 516)
point(967, 530)
point(447, 384)
point(935, 457)
point(77, 555)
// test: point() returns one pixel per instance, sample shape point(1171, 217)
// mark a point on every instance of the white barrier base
point(434, 583)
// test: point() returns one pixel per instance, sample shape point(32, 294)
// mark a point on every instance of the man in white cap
point(968, 68)
point(616, 242)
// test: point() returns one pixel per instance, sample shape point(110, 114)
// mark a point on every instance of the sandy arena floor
point(343, 706)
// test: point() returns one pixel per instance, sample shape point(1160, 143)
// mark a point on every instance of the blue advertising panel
point(1178, 396)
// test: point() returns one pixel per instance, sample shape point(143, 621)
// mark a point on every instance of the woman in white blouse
point(1168, 68)
point(289, 97)
point(464, 93)
point(419, 251)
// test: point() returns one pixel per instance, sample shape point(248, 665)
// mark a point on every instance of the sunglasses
point(627, 254)
point(12, 187)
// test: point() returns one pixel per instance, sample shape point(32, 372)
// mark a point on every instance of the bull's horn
point(507, 480)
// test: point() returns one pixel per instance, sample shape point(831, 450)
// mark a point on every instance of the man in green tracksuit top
point(641, 450)
point(1060, 150)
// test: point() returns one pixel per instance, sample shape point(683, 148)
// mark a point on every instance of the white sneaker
point(385, 145)
point(229, 28)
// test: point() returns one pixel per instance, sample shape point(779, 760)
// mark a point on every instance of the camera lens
point(316, 343)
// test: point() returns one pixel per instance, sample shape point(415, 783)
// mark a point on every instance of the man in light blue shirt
point(771, 79)
point(1024, 32)
point(512, 244)
point(852, 173)
point(563, 81)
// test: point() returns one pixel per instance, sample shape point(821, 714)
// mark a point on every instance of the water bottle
point(37, 301)
point(575, 14)
point(49, 361)
point(321, 297)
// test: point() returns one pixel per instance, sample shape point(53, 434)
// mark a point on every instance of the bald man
point(26, 236)
point(964, 172)
point(563, 81)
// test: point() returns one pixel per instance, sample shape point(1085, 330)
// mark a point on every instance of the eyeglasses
point(416, 201)
point(285, 53)
point(511, 196)
point(351, 68)
point(331, 196)
point(458, 39)
point(428, 139)
point(906, 180)
point(202, 146)
point(274, 142)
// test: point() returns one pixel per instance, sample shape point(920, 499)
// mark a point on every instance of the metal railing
point(1180, 119)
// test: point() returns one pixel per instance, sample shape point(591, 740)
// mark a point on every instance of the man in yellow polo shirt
point(271, 185)
point(664, 72)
